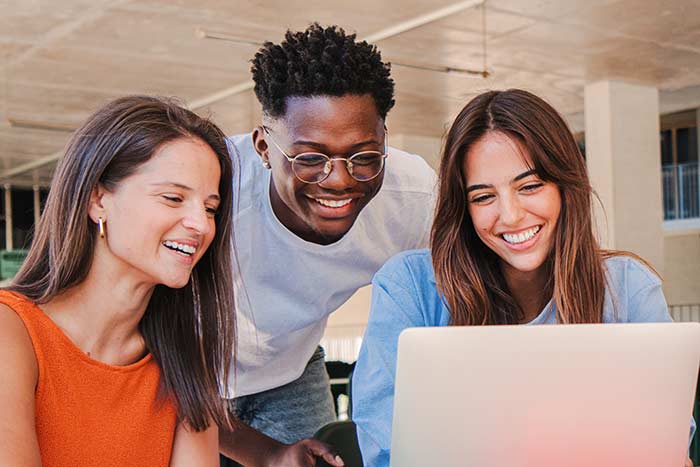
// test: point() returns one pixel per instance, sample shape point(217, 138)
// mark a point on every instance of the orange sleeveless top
point(89, 413)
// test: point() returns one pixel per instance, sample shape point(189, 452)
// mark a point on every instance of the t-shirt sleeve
point(648, 305)
point(394, 307)
point(640, 289)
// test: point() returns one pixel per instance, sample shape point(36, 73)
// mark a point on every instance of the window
point(22, 215)
point(679, 165)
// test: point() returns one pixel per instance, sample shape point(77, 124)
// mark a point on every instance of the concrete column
point(697, 127)
point(8, 217)
point(624, 162)
point(37, 205)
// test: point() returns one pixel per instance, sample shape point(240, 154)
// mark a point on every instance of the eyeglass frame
point(292, 159)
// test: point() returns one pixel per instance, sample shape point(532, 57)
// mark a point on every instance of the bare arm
point(18, 441)
point(195, 449)
point(253, 449)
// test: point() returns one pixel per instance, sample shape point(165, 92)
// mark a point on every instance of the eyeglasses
point(315, 167)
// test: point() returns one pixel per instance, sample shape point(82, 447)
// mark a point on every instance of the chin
point(176, 283)
point(526, 267)
point(335, 232)
point(335, 229)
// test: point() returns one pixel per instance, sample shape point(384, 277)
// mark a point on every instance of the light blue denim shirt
point(405, 295)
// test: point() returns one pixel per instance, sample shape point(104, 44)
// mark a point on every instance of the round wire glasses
point(315, 167)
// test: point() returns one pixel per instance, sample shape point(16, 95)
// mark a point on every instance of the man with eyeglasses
point(322, 203)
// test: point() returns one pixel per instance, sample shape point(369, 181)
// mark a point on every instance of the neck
point(101, 314)
point(529, 290)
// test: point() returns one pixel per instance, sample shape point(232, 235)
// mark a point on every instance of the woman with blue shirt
point(512, 243)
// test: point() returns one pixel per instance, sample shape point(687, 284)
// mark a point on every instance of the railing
point(10, 262)
point(342, 343)
point(681, 196)
point(685, 313)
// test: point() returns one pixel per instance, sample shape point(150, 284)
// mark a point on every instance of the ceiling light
point(446, 69)
point(222, 36)
point(38, 125)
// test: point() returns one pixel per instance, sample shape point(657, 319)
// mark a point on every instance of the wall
point(682, 268)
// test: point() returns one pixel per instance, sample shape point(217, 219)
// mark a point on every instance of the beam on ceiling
point(386, 33)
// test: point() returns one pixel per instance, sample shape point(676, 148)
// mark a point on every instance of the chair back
point(343, 437)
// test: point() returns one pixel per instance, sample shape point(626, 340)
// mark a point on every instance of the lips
point(523, 239)
point(184, 250)
point(334, 208)
point(333, 203)
point(520, 237)
point(180, 247)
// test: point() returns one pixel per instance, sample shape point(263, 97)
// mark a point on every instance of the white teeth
point(331, 203)
point(187, 249)
point(521, 237)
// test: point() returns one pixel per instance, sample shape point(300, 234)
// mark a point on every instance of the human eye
point(532, 187)
point(172, 198)
point(212, 210)
point(482, 198)
point(310, 159)
point(366, 158)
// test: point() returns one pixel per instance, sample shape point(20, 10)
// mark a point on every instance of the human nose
point(198, 220)
point(511, 210)
point(338, 174)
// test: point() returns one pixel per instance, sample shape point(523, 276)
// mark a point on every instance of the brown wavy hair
point(189, 331)
point(467, 272)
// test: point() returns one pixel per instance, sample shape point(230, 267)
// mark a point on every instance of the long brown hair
point(467, 272)
point(189, 331)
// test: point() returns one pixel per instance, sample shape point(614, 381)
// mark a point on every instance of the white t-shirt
point(286, 287)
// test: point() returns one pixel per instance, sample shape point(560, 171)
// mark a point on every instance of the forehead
point(319, 118)
point(495, 158)
point(185, 160)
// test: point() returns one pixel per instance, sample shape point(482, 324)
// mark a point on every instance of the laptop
point(610, 395)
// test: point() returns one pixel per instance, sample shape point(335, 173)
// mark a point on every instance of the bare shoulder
point(17, 350)
point(18, 365)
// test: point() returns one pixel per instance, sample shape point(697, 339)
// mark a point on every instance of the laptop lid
point(545, 396)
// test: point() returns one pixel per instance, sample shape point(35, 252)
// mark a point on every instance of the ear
point(260, 144)
point(97, 206)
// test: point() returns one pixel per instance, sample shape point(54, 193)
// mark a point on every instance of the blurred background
point(624, 73)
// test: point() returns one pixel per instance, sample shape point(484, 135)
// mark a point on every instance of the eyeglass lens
point(313, 167)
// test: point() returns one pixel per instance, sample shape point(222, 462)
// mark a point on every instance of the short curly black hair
point(320, 61)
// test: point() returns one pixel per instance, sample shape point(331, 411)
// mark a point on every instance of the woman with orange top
point(118, 328)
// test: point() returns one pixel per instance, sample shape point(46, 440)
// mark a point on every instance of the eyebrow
point(322, 147)
point(184, 187)
point(518, 177)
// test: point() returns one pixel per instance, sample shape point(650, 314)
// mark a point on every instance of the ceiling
point(61, 59)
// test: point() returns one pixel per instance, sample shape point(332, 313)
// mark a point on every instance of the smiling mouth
point(333, 203)
point(522, 237)
point(180, 248)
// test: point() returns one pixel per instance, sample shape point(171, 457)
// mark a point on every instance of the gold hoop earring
point(101, 227)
